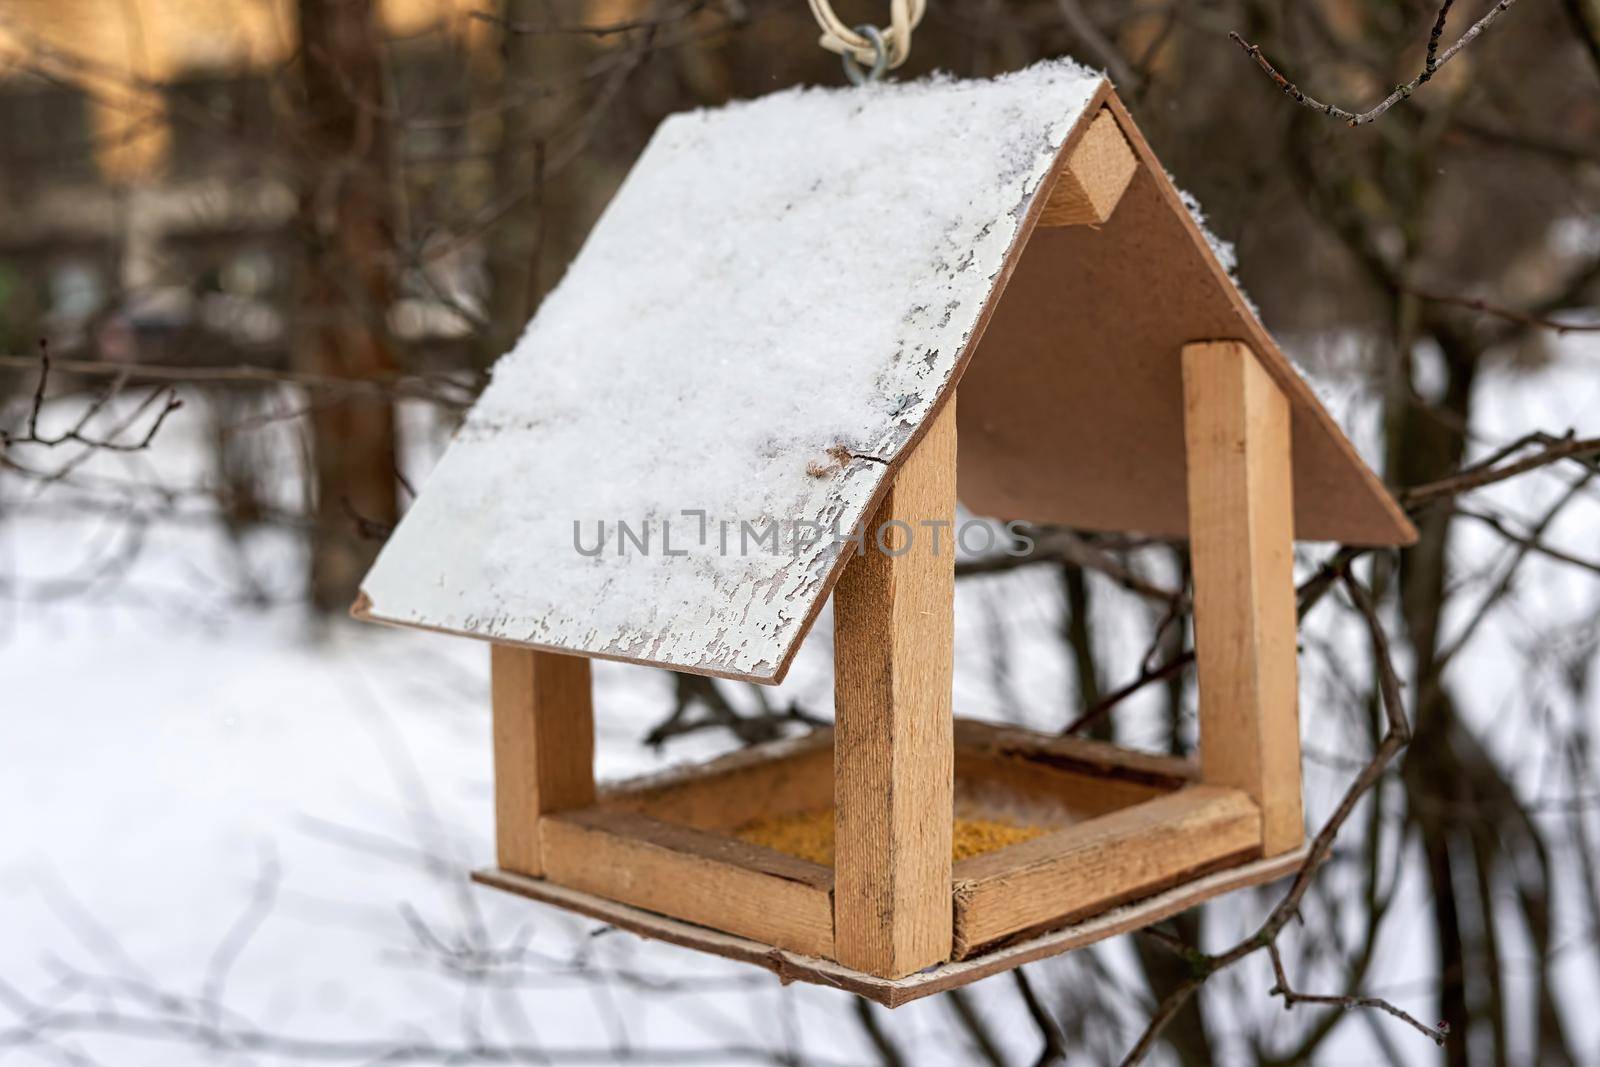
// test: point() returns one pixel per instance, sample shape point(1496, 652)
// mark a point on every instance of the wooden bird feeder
point(772, 319)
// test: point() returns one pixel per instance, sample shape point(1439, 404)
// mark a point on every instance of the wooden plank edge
point(744, 759)
point(962, 951)
point(891, 993)
point(1096, 865)
point(700, 877)
point(1074, 755)
point(365, 610)
point(974, 738)
point(645, 832)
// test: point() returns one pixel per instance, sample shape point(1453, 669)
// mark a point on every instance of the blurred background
point(256, 257)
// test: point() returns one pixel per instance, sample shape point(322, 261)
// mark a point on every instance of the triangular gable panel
point(755, 334)
point(1072, 407)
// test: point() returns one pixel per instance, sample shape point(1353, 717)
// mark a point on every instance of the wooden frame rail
point(1098, 864)
point(693, 875)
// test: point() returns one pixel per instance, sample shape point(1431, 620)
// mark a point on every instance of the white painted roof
point(774, 279)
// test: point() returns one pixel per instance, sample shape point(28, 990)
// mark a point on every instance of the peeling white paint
point(774, 279)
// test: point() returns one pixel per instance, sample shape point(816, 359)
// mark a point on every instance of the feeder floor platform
point(1101, 840)
point(892, 992)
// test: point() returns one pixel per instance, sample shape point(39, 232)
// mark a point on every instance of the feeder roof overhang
point(760, 326)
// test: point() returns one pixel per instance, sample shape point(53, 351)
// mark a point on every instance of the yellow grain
point(809, 835)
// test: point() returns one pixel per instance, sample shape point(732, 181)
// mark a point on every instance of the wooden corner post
point(543, 747)
point(1241, 545)
point(894, 745)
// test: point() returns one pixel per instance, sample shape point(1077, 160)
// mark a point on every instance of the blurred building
point(147, 164)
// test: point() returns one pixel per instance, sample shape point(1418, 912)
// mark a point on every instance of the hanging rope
point(869, 46)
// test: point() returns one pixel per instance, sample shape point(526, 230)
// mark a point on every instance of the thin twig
point(1165, 1012)
point(78, 433)
point(1530, 542)
point(445, 392)
point(1147, 676)
point(1348, 1001)
point(1059, 544)
point(1511, 314)
point(1434, 61)
point(1099, 45)
point(1054, 1045)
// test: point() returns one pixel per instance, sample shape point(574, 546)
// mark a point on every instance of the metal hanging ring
point(904, 17)
point(853, 70)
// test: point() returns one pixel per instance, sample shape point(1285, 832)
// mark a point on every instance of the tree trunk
point(1422, 447)
point(347, 281)
point(1078, 634)
point(518, 245)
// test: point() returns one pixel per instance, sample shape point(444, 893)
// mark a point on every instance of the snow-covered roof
point(776, 300)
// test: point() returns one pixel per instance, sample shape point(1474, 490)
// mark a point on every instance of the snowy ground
point(215, 814)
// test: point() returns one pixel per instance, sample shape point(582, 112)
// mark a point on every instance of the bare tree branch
point(79, 433)
point(1555, 451)
point(1395, 737)
point(1348, 1002)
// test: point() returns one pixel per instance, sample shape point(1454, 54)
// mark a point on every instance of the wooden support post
point(543, 747)
point(894, 742)
point(1096, 174)
point(1241, 544)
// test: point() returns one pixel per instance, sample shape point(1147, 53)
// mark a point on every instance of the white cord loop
point(895, 41)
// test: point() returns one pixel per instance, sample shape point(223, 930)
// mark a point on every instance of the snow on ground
point(271, 821)
point(227, 803)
